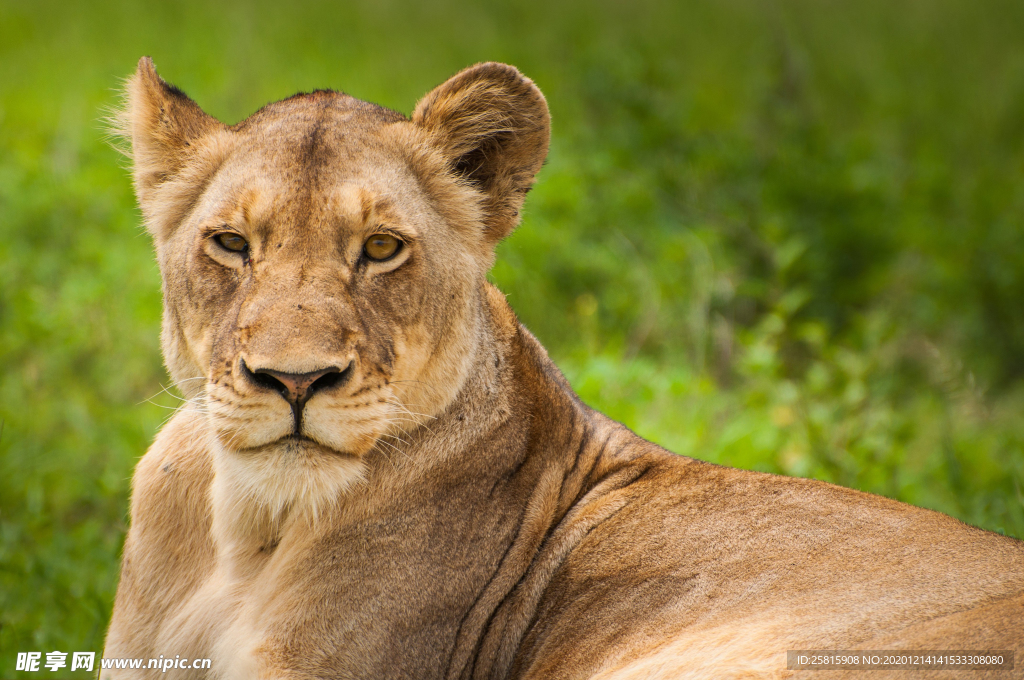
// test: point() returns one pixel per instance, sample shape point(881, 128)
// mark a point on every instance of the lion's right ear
point(175, 145)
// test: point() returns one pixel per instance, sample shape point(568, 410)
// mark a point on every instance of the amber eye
point(231, 241)
point(381, 247)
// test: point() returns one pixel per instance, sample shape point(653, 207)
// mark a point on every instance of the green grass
point(783, 236)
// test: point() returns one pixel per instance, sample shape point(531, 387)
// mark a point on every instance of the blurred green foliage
point(784, 236)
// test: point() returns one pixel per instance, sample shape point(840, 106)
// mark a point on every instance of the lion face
point(323, 262)
point(323, 282)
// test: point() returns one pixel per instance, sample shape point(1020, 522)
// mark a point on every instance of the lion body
point(452, 510)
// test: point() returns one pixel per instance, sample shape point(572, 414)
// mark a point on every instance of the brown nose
point(297, 388)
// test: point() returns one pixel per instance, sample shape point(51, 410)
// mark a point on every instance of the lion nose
point(297, 388)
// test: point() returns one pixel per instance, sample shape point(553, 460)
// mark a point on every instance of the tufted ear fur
point(492, 124)
point(175, 146)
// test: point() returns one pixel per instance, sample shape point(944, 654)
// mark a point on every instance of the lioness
point(380, 474)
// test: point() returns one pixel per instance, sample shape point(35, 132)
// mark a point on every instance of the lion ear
point(492, 124)
point(173, 143)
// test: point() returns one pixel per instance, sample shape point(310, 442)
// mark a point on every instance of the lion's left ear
point(492, 124)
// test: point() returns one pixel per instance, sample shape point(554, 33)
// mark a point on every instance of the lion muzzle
point(297, 388)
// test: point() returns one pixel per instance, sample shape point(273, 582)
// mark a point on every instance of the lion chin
point(292, 476)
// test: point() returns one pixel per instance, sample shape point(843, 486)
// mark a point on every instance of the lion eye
point(381, 247)
point(232, 242)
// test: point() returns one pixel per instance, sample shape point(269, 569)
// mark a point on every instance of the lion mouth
point(329, 425)
point(296, 443)
point(300, 441)
point(297, 437)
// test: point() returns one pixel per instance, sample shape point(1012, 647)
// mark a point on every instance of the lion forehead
point(322, 134)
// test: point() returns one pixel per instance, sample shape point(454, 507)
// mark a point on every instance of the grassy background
point(777, 235)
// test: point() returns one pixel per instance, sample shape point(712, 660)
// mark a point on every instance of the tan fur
point(452, 509)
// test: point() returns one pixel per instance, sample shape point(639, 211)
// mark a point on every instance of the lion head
point(324, 263)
